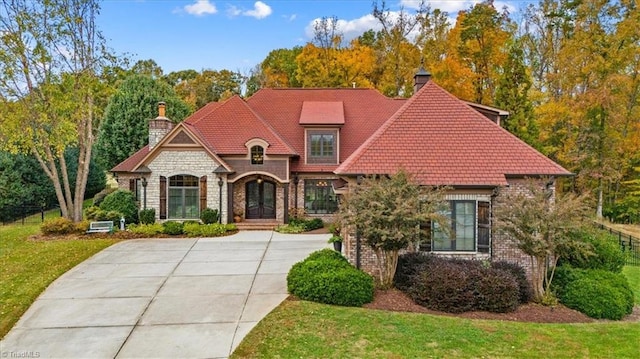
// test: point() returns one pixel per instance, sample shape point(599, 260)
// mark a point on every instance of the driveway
point(171, 298)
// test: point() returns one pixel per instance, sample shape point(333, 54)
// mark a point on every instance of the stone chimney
point(159, 126)
point(420, 78)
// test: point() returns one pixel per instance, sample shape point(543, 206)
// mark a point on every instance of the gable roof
point(442, 141)
point(322, 113)
point(227, 126)
point(130, 163)
point(365, 110)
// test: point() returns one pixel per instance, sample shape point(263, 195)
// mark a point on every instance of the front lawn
point(301, 329)
point(28, 267)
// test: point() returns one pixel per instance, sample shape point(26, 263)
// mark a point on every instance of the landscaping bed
point(397, 301)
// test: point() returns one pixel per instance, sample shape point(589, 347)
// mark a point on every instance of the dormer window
point(322, 146)
point(257, 155)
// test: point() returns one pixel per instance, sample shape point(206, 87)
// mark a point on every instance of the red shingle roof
point(365, 110)
point(322, 113)
point(128, 164)
point(442, 141)
point(229, 125)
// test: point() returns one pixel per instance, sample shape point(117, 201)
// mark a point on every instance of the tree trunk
point(600, 200)
point(538, 275)
point(387, 264)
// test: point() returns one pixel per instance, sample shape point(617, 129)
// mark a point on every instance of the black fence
point(23, 215)
point(629, 244)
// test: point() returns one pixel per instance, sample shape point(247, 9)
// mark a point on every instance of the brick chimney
point(159, 126)
point(420, 78)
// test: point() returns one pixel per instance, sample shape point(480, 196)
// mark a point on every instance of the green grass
point(300, 329)
point(633, 276)
point(28, 267)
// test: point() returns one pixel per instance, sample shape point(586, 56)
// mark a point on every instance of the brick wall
point(502, 247)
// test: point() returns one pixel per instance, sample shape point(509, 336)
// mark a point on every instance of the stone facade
point(177, 162)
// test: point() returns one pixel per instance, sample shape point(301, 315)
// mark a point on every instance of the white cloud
point(350, 29)
point(260, 10)
point(290, 17)
point(201, 8)
point(233, 11)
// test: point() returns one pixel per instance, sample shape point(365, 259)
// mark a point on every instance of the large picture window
point(319, 197)
point(322, 146)
point(183, 197)
point(462, 233)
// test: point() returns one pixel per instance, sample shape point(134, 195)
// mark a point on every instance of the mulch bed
point(395, 300)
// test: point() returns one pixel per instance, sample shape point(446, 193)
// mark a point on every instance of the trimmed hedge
point(205, 230)
point(597, 293)
point(173, 228)
point(455, 285)
point(150, 229)
point(300, 225)
point(524, 287)
point(323, 277)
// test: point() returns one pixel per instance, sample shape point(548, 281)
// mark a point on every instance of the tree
point(541, 226)
point(147, 68)
point(280, 67)
point(386, 211)
point(208, 86)
point(125, 127)
point(51, 53)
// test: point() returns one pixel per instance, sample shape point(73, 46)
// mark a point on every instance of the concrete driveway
point(161, 298)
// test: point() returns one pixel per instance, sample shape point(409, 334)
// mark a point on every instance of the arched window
point(257, 155)
point(183, 197)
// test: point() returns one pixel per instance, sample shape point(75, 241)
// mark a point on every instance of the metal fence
point(23, 215)
point(629, 244)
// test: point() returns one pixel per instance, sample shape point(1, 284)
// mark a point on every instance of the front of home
point(287, 151)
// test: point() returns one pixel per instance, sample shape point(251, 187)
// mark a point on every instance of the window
point(462, 236)
point(183, 197)
point(319, 197)
point(322, 146)
point(257, 155)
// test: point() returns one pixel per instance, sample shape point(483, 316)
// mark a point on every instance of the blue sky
point(234, 35)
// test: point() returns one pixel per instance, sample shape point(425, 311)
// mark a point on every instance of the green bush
point(606, 253)
point(150, 229)
point(173, 228)
point(325, 278)
point(58, 226)
point(209, 215)
point(205, 230)
point(113, 216)
point(524, 287)
point(90, 212)
point(290, 229)
point(596, 293)
point(100, 196)
point(124, 202)
point(147, 216)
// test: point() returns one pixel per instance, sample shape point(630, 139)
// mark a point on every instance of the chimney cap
point(162, 110)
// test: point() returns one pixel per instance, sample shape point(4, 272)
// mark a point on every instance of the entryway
point(260, 199)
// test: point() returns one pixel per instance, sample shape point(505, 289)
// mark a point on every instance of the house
point(283, 150)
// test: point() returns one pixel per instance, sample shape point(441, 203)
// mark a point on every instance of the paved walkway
point(161, 298)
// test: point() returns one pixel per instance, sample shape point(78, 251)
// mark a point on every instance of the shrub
point(306, 224)
point(518, 273)
point(326, 254)
point(82, 227)
point(204, 230)
point(606, 253)
point(409, 266)
point(150, 229)
point(90, 212)
point(112, 216)
point(496, 291)
point(99, 197)
point(209, 215)
point(124, 202)
point(289, 229)
point(58, 226)
point(147, 216)
point(596, 293)
point(173, 228)
point(326, 277)
point(455, 285)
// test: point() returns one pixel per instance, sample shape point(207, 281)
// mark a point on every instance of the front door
point(261, 200)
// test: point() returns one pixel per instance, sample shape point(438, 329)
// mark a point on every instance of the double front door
point(260, 200)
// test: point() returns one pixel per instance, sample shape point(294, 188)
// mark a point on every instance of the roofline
point(525, 175)
point(500, 112)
